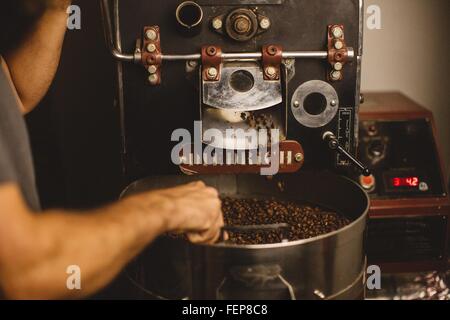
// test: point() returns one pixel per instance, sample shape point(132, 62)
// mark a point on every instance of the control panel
point(410, 208)
point(403, 159)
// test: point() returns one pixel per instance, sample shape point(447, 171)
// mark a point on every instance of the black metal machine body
point(291, 65)
point(317, 73)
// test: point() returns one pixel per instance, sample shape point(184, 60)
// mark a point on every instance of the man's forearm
point(101, 243)
point(34, 62)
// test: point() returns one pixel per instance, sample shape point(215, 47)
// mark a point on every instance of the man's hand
point(194, 209)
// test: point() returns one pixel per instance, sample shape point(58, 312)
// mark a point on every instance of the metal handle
point(251, 228)
point(333, 144)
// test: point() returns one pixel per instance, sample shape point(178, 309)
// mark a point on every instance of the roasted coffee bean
point(305, 221)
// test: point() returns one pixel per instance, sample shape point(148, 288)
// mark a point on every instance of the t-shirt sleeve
point(6, 172)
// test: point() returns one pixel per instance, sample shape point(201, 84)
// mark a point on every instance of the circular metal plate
point(321, 119)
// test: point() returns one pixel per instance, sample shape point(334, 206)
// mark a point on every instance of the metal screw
point(211, 51)
point(151, 48)
point(193, 64)
point(265, 23)
point(296, 104)
point(153, 78)
point(333, 103)
point(361, 98)
point(212, 73)
point(151, 34)
point(299, 157)
point(338, 45)
point(337, 32)
point(152, 69)
point(272, 50)
point(271, 71)
point(338, 66)
point(217, 23)
point(336, 75)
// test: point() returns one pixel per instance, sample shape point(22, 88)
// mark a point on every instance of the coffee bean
point(305, 221)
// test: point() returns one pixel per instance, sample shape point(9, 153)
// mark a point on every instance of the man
point(36, 248)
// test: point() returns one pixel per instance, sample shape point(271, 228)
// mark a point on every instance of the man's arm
point(34, 62)
point(36, 249)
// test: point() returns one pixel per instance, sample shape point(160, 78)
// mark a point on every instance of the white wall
point(411, 54)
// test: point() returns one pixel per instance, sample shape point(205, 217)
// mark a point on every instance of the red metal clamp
point(211, 63)
point(152, 54)
point(337, 51)
point(272, 57)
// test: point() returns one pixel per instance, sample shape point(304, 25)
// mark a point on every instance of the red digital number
point(405, 182)
point(397, 182)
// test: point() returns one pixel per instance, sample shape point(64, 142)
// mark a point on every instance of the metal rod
point(112, 44)
point(250, 55)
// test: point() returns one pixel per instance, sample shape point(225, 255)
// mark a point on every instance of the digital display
point(401, 182)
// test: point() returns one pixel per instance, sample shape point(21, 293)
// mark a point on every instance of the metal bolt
point(193, 64)
point(211, 51)
point(271, 71)
point(152, 69)
point(361, 98)
point(265, 23)
point(296, 104)
point(151, 34)
point(338, 66)
point(272, 50)
point(338, 45)
point(336, 75)
point(242, 24)
point(333, 103)
point(217, 23)
point(299, 157)
point(337, 32)
point(151, 48)
point(212, 73)
point(153, 79)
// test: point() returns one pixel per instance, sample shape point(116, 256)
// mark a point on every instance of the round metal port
point(189, 14)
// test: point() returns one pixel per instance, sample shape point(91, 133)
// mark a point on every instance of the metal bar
point(112, 44)
point(120, 84)
point(260, 227)
point(251, 55)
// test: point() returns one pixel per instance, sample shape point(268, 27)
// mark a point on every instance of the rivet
point(151, 35)
point(151, 48)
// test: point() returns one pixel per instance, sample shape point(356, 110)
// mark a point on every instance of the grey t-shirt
point(16, 164)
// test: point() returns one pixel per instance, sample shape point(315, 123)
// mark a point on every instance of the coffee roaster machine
point(243, 64)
